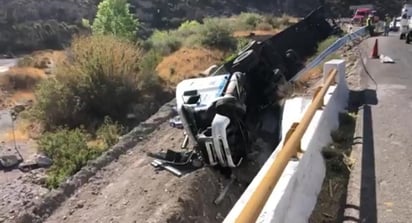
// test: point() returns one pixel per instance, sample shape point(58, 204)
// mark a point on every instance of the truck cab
point(361, 14)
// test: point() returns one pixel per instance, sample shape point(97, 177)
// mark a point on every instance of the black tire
point(245, 61)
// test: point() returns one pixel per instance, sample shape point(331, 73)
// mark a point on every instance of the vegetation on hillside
point(107, 76)
point(52, 23)
point(99, 79)
point(113, 17)
point(213, 32)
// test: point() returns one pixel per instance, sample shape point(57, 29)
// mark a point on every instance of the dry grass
point(21, 78)
point(22, 96)
point(307, 80)
point(42, 59)
point(186, 63)
point(25, 129)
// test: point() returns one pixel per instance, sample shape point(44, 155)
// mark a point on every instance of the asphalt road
point(6, 63)
point(381, 182)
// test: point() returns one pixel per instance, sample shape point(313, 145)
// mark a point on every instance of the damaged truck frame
point(225, 114)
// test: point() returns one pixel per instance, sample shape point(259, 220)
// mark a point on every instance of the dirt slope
point(186, 63)
point(130, 190)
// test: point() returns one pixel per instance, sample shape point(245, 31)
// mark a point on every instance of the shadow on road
point(367, 205)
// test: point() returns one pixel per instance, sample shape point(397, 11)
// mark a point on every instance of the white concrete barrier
point(295, 195)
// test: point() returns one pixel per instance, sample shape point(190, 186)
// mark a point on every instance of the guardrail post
point(339, 65)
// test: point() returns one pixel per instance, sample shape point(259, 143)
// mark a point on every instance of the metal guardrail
point(331, 49)
point(291, 148)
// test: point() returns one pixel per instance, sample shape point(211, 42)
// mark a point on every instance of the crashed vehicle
point(223, 114)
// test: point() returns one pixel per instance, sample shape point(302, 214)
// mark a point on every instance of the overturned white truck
point(225, 114)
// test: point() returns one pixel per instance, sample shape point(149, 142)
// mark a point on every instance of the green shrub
point(69, 151)
point(251, 20)
point(109, 132)
point(216, 34)
point(188, 28)
point(150, 61)
point(247, 20)
point(100, 78)
point(241, 43)
point(164, 42)
point(113, 17)
point(25, 61)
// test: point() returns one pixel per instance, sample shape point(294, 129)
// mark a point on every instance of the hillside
point(29, 24)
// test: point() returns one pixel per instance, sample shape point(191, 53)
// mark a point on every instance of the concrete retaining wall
point(295, 195)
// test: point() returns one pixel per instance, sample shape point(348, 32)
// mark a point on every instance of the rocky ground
point(18, 189)
point(131, 190)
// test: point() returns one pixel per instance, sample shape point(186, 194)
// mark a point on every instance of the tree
point(113, 17)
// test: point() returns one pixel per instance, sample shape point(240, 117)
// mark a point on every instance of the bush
point(216, 34)
point(109, 132)
point(248, 20)
point(150, 61)
point(69, 151)
point(26, 61)
point(165, 42)
point(100, 78)
point(113, 17)
point(188, 28)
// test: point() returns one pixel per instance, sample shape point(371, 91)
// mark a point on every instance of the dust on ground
point(186, 63)
point(131, 190)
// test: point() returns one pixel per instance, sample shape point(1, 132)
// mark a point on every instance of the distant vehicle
point(406, 29)
point(361, 14)
point(407, 8)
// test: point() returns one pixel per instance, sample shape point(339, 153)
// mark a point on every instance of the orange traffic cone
point(375, 53)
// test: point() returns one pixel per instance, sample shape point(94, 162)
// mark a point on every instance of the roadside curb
point(352, 204)
point(45, 205)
